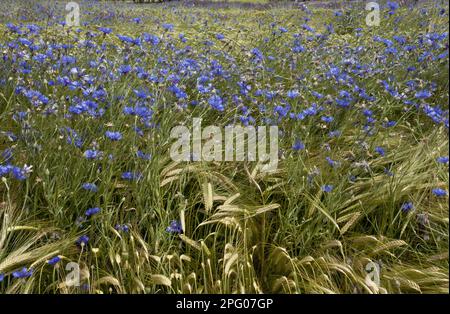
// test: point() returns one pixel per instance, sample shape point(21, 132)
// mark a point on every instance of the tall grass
point(244, 231)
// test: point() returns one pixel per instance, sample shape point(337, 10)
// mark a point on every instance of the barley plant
point(92, 202)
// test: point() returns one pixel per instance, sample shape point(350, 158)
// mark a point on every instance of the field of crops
point(92, 200)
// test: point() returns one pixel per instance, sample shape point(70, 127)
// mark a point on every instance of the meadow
point(92, 202)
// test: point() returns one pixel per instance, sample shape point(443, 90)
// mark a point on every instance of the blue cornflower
point(113, 136)
point(82, 240)
point(332, 162)
point(143, 155)
point(327, 188)
point(128, 175)
point(105, 30)
point(124, 69)
point(92, 154)
point(5, 170)
point(126, 39)
point(23, 273)
point(406, 207)
point(20, 173)
point(423, 94)
point(174, 227)
point(442, 160)
point(92, 211)
point(123, 228)
point(389, 124)
point(167, 27)
point(335, 133)
point(90, 187)
point(298, 145)
point(216, 102)
point(53, 261)
point(220, 36)
point(327, 119)
point(257, 54)
point(439, 192)
point(2, 276)
point(293, 93)
point(388, 172)
point(380, 150)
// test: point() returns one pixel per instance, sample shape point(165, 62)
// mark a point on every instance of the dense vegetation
point(86, 176)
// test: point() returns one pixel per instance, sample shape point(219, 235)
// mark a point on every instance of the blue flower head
point(82, 240)
point(298, 145)
point(92, 211)
point(442, 160)
point(174, 227)
point(327, 188)
point(439, 192)
point(92, 154)
point(380, 150)
point(407, 207)
point(113, 136)
point(90, 187)
point(23, 273)
point(53, 261)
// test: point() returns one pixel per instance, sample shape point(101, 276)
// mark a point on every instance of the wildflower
point(174, 227)
point(105, 30)
point(439, 192)
point(389, 124)
point(21, 173)
point(380, 150)
point(124, 69)
point(128, 175)
point(388, 172)
point(113, 136)
point(92, 154)
point(407, 207)
point(123, 228)
point(293, 93)
point(327, 119)
point(335, 133)
point(332, 162)
point(126, 39)
point(90, 187)
point(442, 160)
point(53, 261)
point(92, 211)
point(143, 155)
point(257, 54)
point(216, 102)
point(23, 273)
point(327, 188)
point(423, 94)
point(167, 27)
point(82, 240)
point(220, 36)
point(298, 145)
point(2, 276)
